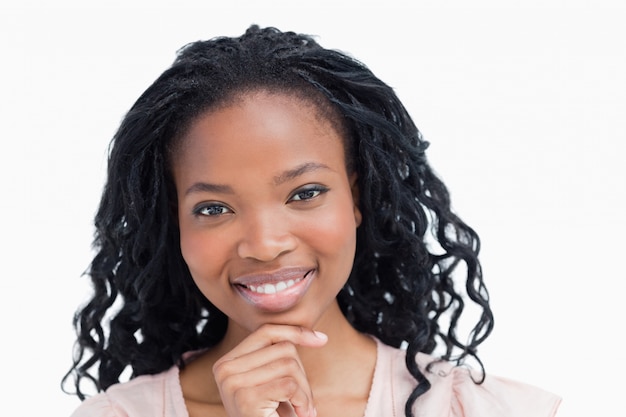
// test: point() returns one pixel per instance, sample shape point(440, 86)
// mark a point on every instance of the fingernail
point(320, 335)
point(314, 412)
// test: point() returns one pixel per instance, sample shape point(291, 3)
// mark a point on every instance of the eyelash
point(316, 189)
point(201, 210)
point(209, 210)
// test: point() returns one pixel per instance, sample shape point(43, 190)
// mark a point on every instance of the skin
point(264, 196)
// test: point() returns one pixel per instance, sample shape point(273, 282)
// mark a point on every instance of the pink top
point(452, 394)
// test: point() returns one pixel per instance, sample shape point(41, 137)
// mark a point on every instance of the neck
point(328, 368)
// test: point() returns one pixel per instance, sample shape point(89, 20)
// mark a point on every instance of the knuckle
point(219, 369)
point(289, 364)
point(243, 401)
point(289, 385)
point(229, 385)
point(225, 369)
point(286, 348)
point(240, 397)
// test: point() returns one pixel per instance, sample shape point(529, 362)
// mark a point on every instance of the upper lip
point(271, 277)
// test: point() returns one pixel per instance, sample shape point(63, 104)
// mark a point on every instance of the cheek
point(201, 256)
point(335, 236)
point(205, 257)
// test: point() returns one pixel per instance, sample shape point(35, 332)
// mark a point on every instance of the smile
point(274, 288)
point(276, 291)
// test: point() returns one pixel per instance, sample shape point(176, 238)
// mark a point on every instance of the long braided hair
point(412, 250)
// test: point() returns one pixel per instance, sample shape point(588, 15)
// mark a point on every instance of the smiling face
point(267, 210)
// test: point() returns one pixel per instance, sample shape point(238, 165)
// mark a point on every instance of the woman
point(269, 236)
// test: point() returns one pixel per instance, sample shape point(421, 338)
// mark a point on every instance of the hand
point(263, 375)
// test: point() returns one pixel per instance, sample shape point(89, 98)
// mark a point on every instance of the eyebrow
point(204, 187)
point(297, 171)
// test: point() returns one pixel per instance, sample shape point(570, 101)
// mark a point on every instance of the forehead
point(309, 104)
point(256, 131)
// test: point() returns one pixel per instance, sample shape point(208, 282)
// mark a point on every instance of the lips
point(275, 291)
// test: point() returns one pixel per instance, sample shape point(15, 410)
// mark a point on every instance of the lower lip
point(280, 301)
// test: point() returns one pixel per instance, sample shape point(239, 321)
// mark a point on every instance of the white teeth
point(273, 288)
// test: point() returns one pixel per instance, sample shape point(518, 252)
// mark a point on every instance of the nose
point(265, 237)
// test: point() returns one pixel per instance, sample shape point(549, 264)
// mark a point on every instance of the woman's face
point(267, 210)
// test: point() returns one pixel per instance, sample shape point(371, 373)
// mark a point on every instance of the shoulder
point(454, 393)
point(146, 395)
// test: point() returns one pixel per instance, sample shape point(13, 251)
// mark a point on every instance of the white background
point(523, 105)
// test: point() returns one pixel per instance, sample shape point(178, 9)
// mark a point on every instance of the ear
point(354, 186)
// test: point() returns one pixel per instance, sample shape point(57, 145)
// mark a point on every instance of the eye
point(211, 210)
point(308, 193)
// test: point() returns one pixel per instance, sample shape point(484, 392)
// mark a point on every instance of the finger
point(302, 410)
point(270, 334)
point(267, 399)
point(282, 351)
point(232, 380)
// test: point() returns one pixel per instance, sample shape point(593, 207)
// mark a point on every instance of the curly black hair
point(146, 311)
